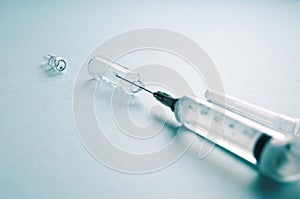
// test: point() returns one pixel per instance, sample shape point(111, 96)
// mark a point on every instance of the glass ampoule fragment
point(112, 73)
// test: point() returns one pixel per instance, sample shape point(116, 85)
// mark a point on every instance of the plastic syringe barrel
point(278, 122)
point(275, 154)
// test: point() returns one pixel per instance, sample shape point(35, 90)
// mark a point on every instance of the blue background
point(254, 45)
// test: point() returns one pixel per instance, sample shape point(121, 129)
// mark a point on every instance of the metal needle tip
point(141, 87)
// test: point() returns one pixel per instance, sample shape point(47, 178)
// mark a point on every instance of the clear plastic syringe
point(278, 122)
point(276, 154)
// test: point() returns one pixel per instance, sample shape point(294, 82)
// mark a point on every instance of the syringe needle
point(162, 97)
point(141, 87)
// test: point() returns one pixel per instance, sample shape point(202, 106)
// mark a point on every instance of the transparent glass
point(114, 74)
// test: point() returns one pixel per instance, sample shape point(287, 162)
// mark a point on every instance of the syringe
point(276, 154)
